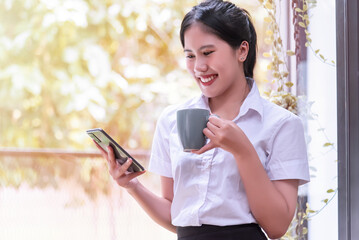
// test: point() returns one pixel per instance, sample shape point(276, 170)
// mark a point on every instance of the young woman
point(246, 177)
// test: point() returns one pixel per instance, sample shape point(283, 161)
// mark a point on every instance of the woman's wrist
point(245, 154)
point(132, 186)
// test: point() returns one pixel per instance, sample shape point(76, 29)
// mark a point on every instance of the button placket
point(206, 170)
point(207, 158)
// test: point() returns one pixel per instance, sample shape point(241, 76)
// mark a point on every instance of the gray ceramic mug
point(190, 125)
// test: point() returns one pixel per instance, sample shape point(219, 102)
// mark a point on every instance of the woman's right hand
point(119, 172)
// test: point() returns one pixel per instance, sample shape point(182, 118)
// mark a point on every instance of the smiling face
point(215, 65)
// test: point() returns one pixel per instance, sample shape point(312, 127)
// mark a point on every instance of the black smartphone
point(104, 140)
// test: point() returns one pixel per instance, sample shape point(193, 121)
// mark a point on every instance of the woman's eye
point(190, 56)
point(208, 52)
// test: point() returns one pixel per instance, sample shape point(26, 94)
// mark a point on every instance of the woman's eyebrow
point(201, 48)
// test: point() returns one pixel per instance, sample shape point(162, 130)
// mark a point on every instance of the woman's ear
point(242, 51)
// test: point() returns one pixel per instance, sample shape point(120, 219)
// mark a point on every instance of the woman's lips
point(208, 79)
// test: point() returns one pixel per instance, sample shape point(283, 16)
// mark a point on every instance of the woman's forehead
point(201, 34)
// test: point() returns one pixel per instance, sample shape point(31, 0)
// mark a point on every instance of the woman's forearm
point(272, 204)
point(158, 208)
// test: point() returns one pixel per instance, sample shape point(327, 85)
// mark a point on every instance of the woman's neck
point(227, 105)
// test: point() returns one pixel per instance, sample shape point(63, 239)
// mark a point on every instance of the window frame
point(347, 25)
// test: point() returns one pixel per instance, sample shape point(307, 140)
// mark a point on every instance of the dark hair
point(227, 21)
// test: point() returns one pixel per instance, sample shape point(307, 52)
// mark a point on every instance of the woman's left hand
point(226, 135)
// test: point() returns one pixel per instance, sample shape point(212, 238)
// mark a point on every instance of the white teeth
point(205, 80)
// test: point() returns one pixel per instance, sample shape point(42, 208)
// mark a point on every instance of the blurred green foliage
point(67, 66)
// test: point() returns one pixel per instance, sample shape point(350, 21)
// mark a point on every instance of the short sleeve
point(288, 152)
point(160, 161)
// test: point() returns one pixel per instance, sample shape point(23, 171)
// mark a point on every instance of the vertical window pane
point(322, 129)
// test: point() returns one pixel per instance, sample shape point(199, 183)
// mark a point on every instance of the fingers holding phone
point(119, 172)
point(126, 179)
point(117, 167)
point(111, 159)
point(122, 167)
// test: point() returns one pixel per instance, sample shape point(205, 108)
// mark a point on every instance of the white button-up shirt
point(208, 187)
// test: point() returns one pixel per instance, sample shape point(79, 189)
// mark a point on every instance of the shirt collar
point(253, 101)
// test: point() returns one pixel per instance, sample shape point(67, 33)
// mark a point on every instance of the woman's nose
point(200, 66)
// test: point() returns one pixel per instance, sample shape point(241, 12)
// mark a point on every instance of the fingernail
point(215, 115)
